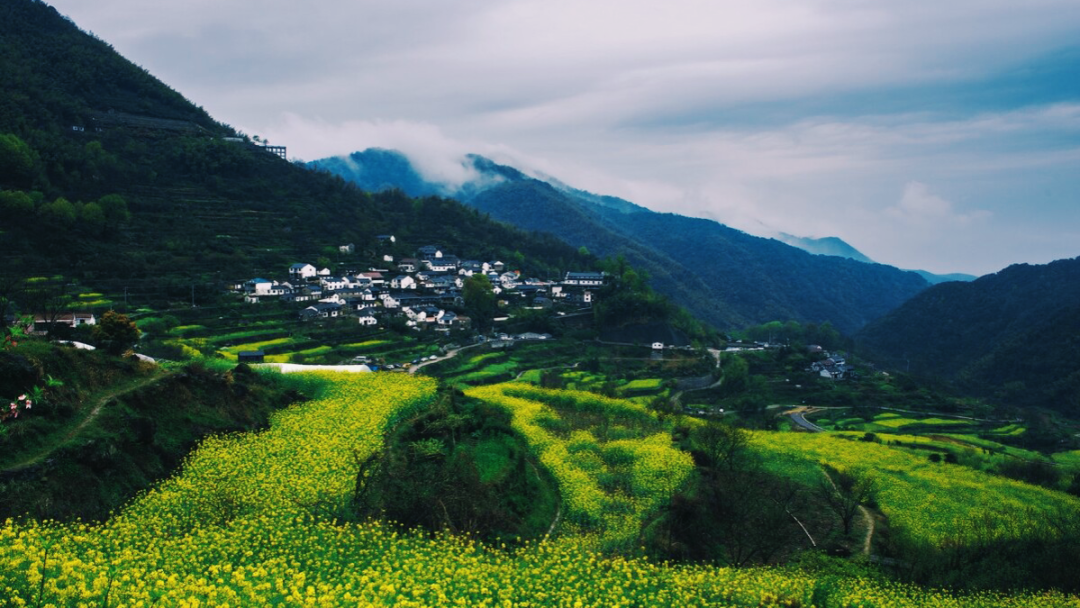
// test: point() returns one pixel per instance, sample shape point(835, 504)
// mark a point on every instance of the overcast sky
point(934, 134)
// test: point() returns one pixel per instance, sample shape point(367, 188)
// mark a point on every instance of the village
point(425, 290)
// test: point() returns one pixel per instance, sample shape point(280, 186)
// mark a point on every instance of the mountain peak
point(829, 245)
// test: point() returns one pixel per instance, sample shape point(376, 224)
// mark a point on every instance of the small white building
point(302, 271)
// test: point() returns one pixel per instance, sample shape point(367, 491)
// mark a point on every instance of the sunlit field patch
point(256, 520)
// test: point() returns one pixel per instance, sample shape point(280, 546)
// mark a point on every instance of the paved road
point(449, 354)
point(804, 423)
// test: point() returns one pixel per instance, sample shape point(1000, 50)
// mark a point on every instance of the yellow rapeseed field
point(250, 521)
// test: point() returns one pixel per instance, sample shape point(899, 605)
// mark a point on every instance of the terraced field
point(260, 520)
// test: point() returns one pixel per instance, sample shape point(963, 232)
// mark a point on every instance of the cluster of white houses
point(420, 288)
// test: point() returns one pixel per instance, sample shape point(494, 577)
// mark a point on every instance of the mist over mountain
point(110, 177)
point(722, 275)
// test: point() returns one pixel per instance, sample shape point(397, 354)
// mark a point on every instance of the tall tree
point(480, 300)
point(845, 492)
point(116, 332)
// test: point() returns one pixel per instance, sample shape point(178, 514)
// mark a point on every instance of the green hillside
point(723, 276)
point(108, 174)
point(264, 518)
point(1013, 335)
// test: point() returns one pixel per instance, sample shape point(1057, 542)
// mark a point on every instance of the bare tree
point(845, 492)
point(727, 447)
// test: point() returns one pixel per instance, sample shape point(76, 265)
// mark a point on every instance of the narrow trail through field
point(867, 517)
point(99, 404)
point(869, 530)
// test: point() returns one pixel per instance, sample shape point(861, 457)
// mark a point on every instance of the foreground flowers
point(257, 520)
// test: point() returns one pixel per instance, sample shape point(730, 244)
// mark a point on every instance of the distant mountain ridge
point(722, 275)
point(829, 245)
point(1013, 335)
point(835, 246)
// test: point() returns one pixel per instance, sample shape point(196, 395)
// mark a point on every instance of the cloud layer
point(930, 135)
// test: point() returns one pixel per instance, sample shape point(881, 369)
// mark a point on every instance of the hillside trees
point(1012, 336)
point(844, 492)
point(115, 332)
point(479, 301)
point(16, 162)
point(457, 467)
point(627, 299)
point(15, 205)
point(733, 511)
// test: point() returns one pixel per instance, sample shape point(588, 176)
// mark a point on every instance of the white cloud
point(754, 114)
point(920, 206)
point(437, 157)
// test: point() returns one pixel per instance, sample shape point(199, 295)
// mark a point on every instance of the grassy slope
point(116, 426)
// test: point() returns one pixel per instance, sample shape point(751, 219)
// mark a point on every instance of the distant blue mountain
point(722, 275)
point(829, 245)
point(835, 246)
point(934, 279)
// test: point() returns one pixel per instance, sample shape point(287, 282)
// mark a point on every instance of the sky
point(929, 134)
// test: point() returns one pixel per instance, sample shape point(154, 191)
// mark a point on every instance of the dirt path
point(99, 404)
point(677, 397)
point(869, 530)
point(867, 517)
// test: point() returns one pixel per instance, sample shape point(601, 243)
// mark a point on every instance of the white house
point(584, 279)
point(403, 282)
point(325, 310)
point(375, 277)
point(264, 287)
point(335, 283)
point(366, 316)
point(439, 264)
point(430, 252)
point(302, 271)
point(71, 319)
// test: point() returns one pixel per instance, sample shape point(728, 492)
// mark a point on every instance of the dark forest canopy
point(82, 129)
point(1013, 335)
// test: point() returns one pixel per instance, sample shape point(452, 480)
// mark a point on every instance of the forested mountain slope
point(722, 275)
point(108, 174)
point(1014, 335)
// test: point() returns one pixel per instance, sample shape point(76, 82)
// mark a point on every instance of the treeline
point(627, 299)
point(794, 333)
point(1012, 336)
point(81, 129)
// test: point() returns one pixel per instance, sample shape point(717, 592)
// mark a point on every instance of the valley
point(553, 397)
